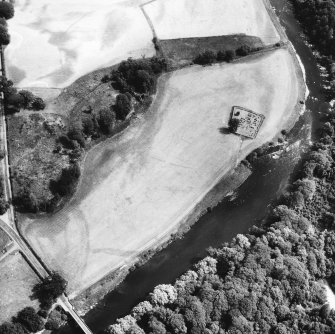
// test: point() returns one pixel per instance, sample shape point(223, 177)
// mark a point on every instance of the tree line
point(318, 21)
point(209, 57)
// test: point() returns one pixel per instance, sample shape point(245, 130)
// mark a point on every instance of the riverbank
point(178, 257)
point(93, 296)
point(85, 300)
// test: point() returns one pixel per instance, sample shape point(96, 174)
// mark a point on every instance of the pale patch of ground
point(56, 42)
point(201, 18)
point(330, 296)
point(16, 282)
point(137, 187)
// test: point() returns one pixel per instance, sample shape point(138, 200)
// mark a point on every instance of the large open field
point(16, 281)
point(137, 187)
point(202, 18)
point(56, 42)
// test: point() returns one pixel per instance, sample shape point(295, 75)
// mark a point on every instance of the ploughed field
point(54, 43)
point(202, 18)
point(137, 187)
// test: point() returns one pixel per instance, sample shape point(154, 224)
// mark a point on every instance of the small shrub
point(38, 104)
point(205, 58)
point(230, 55)
point(88, 126)
point(50, 288)
point(221, 56)
point(67, 142)
point(4, 206)
point(30, 320)
point(243, 50)
point(4, 35)
point(122, 106)
point(143, 82)
point(106, 121)
point(9, 328)
point(15, 100)
point(28, 98)
point(76, 133)
point(2, 154)
point(25, 201)
point(67, 182)
point(6, 10)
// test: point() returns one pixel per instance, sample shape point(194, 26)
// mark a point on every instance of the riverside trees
point(270, 280)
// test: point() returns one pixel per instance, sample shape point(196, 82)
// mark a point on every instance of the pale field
point(16, 282)
point(56, 42)
point(330, 296)
point(138, 186)
point(202, 18)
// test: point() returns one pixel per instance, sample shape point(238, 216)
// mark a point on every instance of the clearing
point(16, 282)
point(137, 187)
point(56, 42)
point(202, 18)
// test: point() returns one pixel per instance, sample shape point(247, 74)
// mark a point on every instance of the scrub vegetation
point(47, 148)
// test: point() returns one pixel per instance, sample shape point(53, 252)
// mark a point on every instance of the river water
point(231, 217)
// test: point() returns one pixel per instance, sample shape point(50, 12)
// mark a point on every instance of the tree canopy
point(6, 10)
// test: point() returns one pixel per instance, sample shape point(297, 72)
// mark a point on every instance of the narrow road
point(27, 253)
point(7, 223)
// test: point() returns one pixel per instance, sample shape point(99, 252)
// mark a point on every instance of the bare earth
point(16, 281)
point(137, 187)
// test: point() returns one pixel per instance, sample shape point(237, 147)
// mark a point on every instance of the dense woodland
point(272, 279)
point(269, 281)
point(318, 20)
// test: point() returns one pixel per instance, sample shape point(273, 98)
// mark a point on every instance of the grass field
point(202, 18)
point(16, 281)
point(137, 187)
point(56, 42)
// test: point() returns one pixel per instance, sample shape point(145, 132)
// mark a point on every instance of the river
point(231, 217)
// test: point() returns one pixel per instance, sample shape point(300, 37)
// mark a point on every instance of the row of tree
point(210, 57)
point(6, 13)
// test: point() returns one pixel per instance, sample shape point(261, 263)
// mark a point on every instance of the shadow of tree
point(224, 131)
